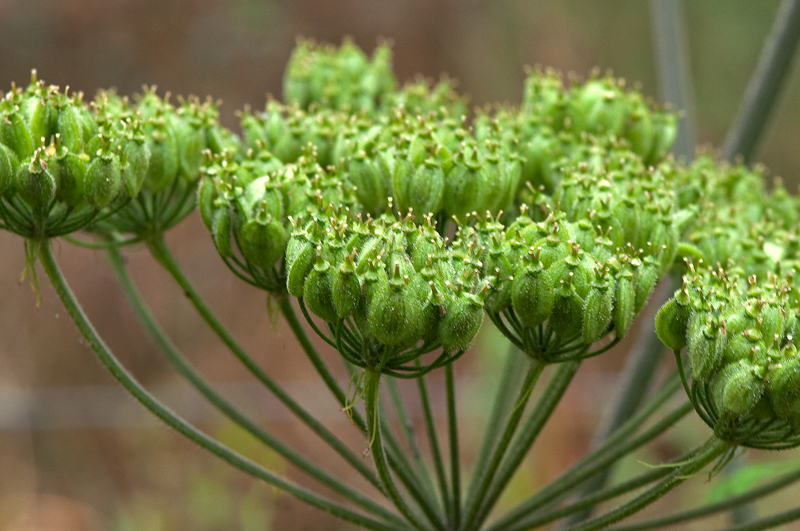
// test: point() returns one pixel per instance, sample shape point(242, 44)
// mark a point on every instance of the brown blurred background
point(75, 453)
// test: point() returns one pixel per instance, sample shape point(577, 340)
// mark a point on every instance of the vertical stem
point(174, 421)
point(371, 397)
point(765, 84)
point(474, 503)
point(433, 440)
point(452, 428)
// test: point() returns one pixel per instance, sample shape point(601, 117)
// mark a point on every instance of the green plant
point(398, 223)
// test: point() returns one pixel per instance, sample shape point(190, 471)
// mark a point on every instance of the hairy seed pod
point(370, 187)
point(136, 160)
point(300, 256)
point(70, 128)
point(624, 302)
point(317, 291)
point(205, 200)
point(672, 322)
point(533, 295)
point(462, 319)
point(393, 312)
point(784, 388)
point(103, 180)
point(191, 142)
point(221, 232)
point(71, 169)
point(164, 159)
point(597, 313)
point(346, 289)
point(263, 242)
point(35, 183)
point(15, 134)
point(706, 347)
point(737, 388)
point(9, 166)
point(646, 278)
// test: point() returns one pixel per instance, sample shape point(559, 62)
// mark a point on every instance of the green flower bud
point(221, 232)
point(44, 119)
point(645, 280)
point(640, 131)
point(136, 157)
point(666, 130)
point(462, 319)
point(164, 158)
point(15, 134)
point(370, 185)
point(625, 300)
point(597, 312)
point(190, 142)
point(71, 170)
point(70, 127)
point(317, 292)
point(672, 322)
point(423, 189)
point(300, 256)
point(263, 242)
point(35, 182)
point(737, 388)
point(9, 166)
point(205, 200)
point(103, 180)
point(784, 388)
point(706, 344)
point(394, 312)
point(532, 295)
point(345, 288)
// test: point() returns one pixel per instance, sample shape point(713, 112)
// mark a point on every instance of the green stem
point(438, 462)
point(769, 522)
point(371, 398)
point(725, 505)
point(713, 449)
point(474, 502)
point(539, 416)
point(410, 437)
point(165, 258)
point(502, 403)
point(611, 450)
point(452, 429)
point(119, 372)
point(765, 85)
point(193, 377)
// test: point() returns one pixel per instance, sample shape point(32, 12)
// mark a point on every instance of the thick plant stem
point(479, 494)
point(712, 450)
point(165, 258)
point(765, 85)
point(455, 461)
point(177, 423)
point(372, 413)
point(229, 410)
point(533, 426)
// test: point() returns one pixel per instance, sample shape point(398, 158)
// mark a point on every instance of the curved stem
point(174, 421)
point(165, 258)
point(433, 440)
point(234, 414)
point(479, 494)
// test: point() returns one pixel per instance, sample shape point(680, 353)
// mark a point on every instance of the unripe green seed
point(737, 388)
point(624, 302)
point(672, 322)
point(393, 314)
point(370, 186)
point(346, 290)
point(35, 183)
point(597, 313)
point(205, 200)
point(221, 232)
point(70, 128)
point(9, 166)
point(164, 159)
point(533, 296)
point(460, 324)
point(566, 319)
point(263, 242)
point(71, 170)
point(317, 292)
point(646, 279)
point(103, 180)
point(706, 347)
point(136, 157)
point(784, 388)
point(300, 255)
point(15, 134)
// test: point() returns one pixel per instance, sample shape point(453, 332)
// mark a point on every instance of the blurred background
point(77, 454)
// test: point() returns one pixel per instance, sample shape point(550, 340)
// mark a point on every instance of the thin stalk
point(724, 505)
point(433, 440)
point(410, 437)
point(452, 430)
point(765, 84)
point(165, 258)
point(479, 494)
point(533, 426)
point(510, 379)
point(633, 385)
point(769, 522)
point(371, 398)
point(186, 370)
point(711, 451)
point(177, 423)
point(613, 449)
